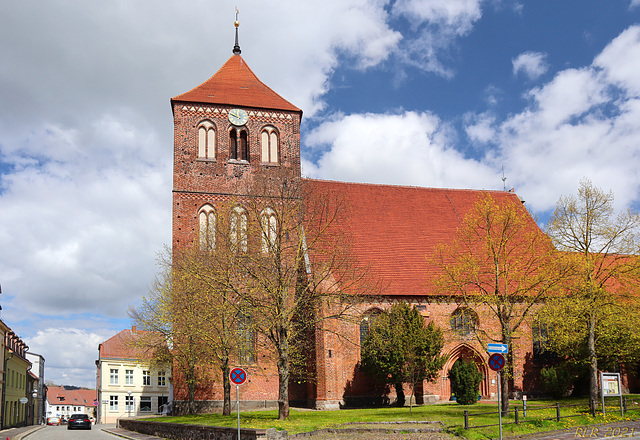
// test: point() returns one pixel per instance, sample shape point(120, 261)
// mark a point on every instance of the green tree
point(500, 260)
point(400, 349)
point(465, 381)
point(290, 266)
point(195, 315)
point(598, 317)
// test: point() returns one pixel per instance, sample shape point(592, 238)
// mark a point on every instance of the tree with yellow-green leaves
point(195, 316)
point(499, 260)
point(595, 322)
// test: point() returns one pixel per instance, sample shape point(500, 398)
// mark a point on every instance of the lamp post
point(129, 402)
point(35, 404)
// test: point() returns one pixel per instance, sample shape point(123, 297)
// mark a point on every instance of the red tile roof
point(122, 346)
point(235, 84)
point(62, 396)
point(393, 230)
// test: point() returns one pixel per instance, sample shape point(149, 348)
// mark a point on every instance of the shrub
point(465, 381)
point(556, 381)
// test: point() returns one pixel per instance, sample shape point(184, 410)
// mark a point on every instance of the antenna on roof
point(504, 179)
point(236, 48)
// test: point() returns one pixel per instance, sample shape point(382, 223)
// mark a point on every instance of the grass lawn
point(450, 414)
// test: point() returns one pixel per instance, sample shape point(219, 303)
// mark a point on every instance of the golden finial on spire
point(236, 48)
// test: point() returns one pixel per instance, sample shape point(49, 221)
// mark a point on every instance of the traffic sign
point(238, 376)
point(497, 348)
point(496, 362)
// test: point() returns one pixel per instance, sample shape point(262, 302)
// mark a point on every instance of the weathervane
point(504, 179)
point(236, 48)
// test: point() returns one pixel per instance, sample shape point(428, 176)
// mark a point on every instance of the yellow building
point(16, 387)
point(128, 385)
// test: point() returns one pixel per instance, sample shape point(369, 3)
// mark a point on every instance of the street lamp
point(129, 403)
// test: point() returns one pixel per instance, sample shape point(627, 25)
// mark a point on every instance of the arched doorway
point(466, 352)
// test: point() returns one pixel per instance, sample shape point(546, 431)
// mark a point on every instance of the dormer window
point(269, 144)
point(206, 140)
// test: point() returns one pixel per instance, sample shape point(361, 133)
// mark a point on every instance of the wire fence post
point(466, 419)
point(558, 411)
point(516, 414)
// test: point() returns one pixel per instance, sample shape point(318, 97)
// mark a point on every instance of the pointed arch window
point(207, 228)
point(464, 321)
point(246, 339)
point(238, 231)
point(238, 145)
point(269, 145)
point(365, 324)
point(269, 225)
point(206, 140)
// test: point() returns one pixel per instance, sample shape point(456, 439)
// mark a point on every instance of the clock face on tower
point(238, 116)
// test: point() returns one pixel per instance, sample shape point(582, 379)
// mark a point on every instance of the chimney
point(133, 329)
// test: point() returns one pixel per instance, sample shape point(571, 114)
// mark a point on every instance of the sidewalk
point(19, 433)
point(625, 429)
point(123, 433)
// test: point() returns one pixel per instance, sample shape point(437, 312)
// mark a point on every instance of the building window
point(128, 377)
point(146, 378)
point(113, 376)
point(239, 239)
point(246, 339)
point(540, 338)
point(269, 144)
point(238, 145)
point(128, 403)
point(162, 401)
point(464, 321)
point(113, 403)
point(206, 140)
point(207, 228)
point(366, 322)
point(145, 404)
point(269, 230)
point(162, 379)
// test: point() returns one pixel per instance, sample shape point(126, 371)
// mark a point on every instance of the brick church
point(233, 125)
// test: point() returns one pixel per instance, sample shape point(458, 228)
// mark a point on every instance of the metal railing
point(524, 410)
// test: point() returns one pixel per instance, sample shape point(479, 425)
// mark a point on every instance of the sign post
point(496, 363)
point(610, 386)
point(238, 376)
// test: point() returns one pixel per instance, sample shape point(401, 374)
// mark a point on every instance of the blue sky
point(413, 92)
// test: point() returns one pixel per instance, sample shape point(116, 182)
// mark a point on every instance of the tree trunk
point(399, 394)
point(283, 378)
point(191, 380)
point(593, 365)
point(226, 383)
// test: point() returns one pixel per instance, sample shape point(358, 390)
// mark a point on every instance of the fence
point(568, 412)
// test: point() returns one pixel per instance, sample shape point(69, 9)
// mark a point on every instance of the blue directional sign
point(497, 348)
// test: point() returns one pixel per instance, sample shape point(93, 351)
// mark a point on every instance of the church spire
point(236, 48)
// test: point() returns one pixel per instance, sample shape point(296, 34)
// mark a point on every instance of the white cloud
point(531, 64)
point(437, 25)
point(409, 148)
point(582, 123)
point(69, 353)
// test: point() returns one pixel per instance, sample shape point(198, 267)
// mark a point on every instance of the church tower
point(226, 130)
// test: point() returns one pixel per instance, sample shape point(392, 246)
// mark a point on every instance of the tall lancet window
point(238, 232)
point(269, 144)
point(207, 228)
point(206, 140)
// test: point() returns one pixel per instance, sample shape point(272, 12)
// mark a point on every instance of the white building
point(128, 384)
point(63, 403)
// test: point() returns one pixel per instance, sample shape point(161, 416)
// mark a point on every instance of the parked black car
point(79, 421)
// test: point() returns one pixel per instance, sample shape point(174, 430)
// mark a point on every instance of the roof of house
point(236, 84)
point(62, 396)
point(393, 230)
point(123, 345)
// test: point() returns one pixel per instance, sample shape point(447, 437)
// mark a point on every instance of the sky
point(533, 95)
